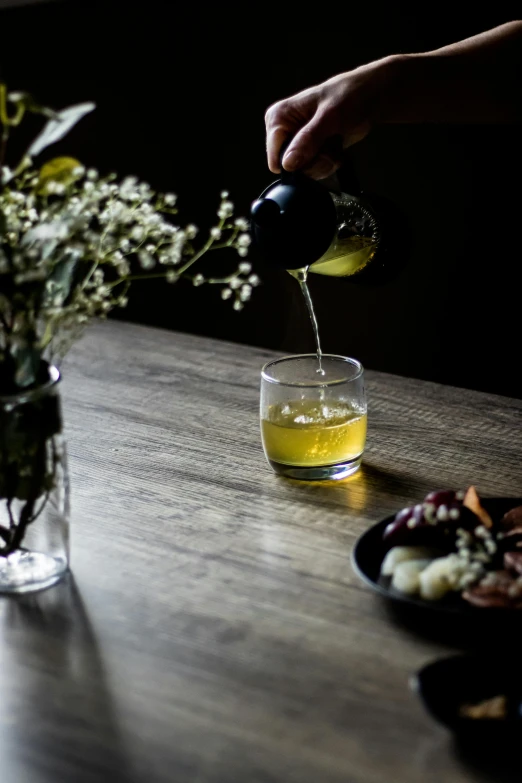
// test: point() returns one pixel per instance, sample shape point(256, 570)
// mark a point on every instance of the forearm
point(475, 80)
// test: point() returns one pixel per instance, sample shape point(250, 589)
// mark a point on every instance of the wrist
point(397, 76)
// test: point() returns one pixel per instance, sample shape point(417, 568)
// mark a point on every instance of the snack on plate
point(406, 575)
point(400, 554)
point(449, 543)
point(512, 520)
point(494, 708)
point(498, 588)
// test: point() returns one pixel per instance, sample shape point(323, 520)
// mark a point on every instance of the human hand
point(323, 120)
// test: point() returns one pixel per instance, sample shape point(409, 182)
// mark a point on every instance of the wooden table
point(215, 630)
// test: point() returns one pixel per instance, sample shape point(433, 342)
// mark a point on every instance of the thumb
point(306, 144)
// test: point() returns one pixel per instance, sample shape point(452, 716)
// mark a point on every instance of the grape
point(398, 530)
point(440, 497)
point(431, 522)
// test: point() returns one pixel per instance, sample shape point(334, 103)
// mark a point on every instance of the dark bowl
point(447, 684)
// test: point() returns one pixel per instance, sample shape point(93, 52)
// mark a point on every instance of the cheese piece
point(400, 554)
point(406, 575)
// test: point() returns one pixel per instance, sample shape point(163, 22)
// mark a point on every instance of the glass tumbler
point(313, 424)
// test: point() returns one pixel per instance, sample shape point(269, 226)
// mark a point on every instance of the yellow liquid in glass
point(311, 433)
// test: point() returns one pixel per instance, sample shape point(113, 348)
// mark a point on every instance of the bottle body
point(303, 224)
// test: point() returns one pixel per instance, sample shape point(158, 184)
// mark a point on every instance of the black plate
point(369, 552)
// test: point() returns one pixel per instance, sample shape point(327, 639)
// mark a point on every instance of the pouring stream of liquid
point(301, 276)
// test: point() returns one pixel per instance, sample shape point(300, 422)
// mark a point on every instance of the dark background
point(181, 90)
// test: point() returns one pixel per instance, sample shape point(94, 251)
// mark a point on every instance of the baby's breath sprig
point(76, 246)
point(73, 242)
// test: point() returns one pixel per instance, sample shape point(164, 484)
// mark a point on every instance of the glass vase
point(34, 489)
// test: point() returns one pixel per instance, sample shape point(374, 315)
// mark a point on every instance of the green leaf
point(57, 128)
point(27, 362)
point(63, 274)
point(58, 170)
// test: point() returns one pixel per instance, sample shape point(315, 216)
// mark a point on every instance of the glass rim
point(28, 395)
point(306, 385)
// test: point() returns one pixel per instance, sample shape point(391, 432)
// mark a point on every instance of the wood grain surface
point(214, 630)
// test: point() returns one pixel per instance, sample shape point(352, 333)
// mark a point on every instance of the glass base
point(317, 473)
point(26, 572)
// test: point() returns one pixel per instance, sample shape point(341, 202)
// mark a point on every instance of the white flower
point(123, 301)
point(127, 189)
point(175, 255)
point(241, 224)
point(92, 174)
point(254, 280)
point(152, 221)
point(238, 305)
point(124, 245)
point(244, 240)
point(245, 293)
point(171, 276)
point(55, 188)
point(144, 190)
point(225, 210)
point(215, 232)
point(123, 269)
point(245, 267)
point(226, 293)
point(170, 199)
point(146, 260)
point(46, 231)
point(191, 231)
point(224, 194)
point(79, 171)
point(198, 280)
point(137, 234)
point(235, 283)
point(150, 248)
point(242, 251)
